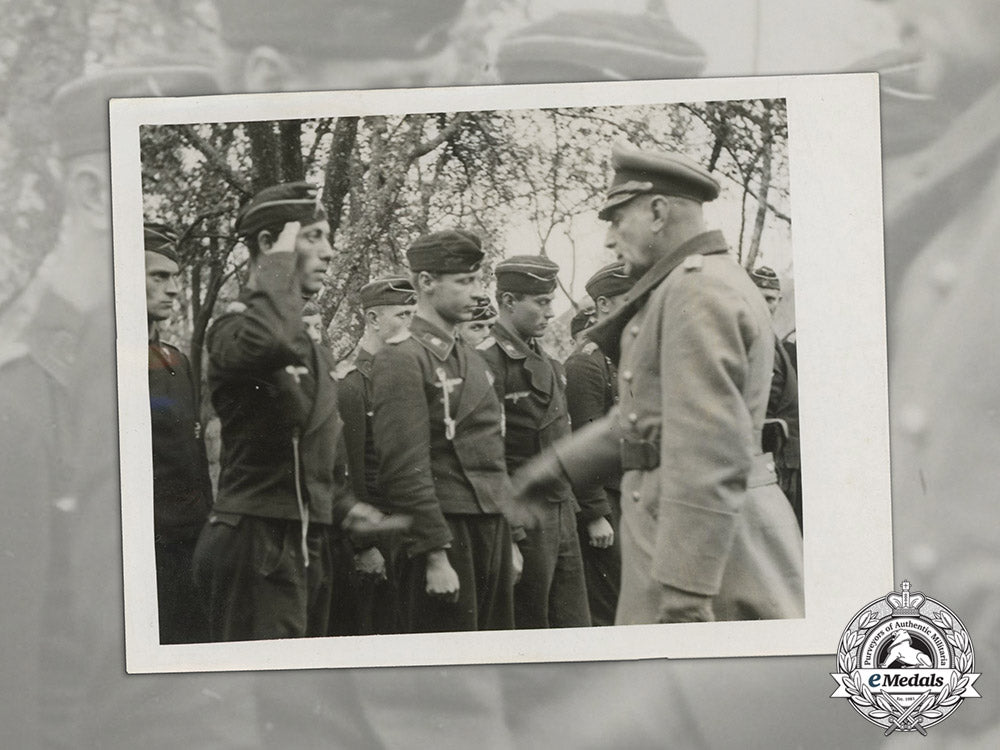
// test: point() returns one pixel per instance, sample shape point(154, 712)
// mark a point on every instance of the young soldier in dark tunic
point(781, 428)
point(552, 589)
point(264, 557)
point(591, 391)
point(182, 490)
point(441, 455)
point(366, 590)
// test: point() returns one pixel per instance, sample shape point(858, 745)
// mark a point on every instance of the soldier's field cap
point(161, 239)
point(394, 290)
point(447, 251)
point(765, 278)
point(526, 274)
point(80, 107)
point(350, 29)
point(653, 173)
point(597, 45)
point(609, 281)
point(484, 309)
point(581, 321)
point(275, 205)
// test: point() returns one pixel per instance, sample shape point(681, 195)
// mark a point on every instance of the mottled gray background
point(63, 682)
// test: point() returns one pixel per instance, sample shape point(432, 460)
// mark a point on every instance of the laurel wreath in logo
point(880, 706)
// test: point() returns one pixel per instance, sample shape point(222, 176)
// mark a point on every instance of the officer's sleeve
point(705, 453)
point(351, 404)
point(261, 336)
point(591, 454)
point(401, 429)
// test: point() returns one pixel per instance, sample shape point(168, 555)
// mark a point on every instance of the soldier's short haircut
point(252, 242)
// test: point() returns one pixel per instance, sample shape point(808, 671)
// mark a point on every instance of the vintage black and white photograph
point(522, 370)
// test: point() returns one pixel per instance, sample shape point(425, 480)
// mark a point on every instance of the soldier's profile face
point(314, 327)
point(393, 319)
point(313, 255)
point(630, 235)
point(161, 286)
point(531, 314)
point(455, 295)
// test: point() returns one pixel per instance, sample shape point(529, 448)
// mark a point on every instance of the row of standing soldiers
point(382, 500)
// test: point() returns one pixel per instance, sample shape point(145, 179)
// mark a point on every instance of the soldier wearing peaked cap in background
point(532, 389)
point(781, 426)
point(441, 456)
point(597, 45)
point(696, 490)
point(366, 44)
point(368, 580)
point(474, 331)
point(182, 490)
point(591, 392)
point(264, 558)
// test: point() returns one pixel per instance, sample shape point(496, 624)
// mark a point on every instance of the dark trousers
point(362, 604)
point(480, 553)
point(602, 568)
point(182, 612)
point(255, 581)
point(552, 592)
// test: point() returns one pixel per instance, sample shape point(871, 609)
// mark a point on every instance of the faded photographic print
point(483, 371)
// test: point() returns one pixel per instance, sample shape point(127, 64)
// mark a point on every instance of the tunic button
point(634, 330)
point(913, 421)
point(943, 276)
point(627, 376)
point(633, 417)
point(636, 496)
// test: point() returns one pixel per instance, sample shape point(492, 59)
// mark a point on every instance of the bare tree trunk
point(264, 155)
point(765, 186)
point(337, 179)
point(290, 140)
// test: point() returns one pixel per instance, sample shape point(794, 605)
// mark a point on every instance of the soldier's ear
point(371, 317)
point(265, 241)
point(659, 207)
point(506, 300)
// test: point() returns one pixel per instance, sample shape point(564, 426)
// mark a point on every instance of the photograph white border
point(836, 199)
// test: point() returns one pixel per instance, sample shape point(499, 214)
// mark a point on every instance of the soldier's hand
point(442, 580)
point(677, 605)
point(285, 241)
point(364, 520)
point(601, 533)
point(370, 562)
point(517, 561)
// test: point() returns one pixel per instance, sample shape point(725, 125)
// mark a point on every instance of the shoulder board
point(235, 307)
point(486, 343)
point(590, 347)
point(399, 337)
point(348, 371)
point(694, 262)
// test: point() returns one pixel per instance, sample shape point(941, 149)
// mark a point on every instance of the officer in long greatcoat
point(532, 386)
point(436, 423)
point(706, 533)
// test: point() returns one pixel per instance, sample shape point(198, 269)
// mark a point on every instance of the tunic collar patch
point(436, 341)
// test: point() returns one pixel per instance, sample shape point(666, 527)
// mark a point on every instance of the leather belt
point(639, 455)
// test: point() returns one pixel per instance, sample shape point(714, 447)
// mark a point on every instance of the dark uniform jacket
point(270, 383)
point(182, 490)
point(591, 392)
point(533, 388)
point(425, 469)
point(783, 404)
point(355, 404)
